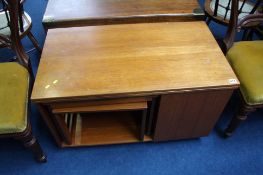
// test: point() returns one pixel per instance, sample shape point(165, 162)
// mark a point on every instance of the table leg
point(143, 122)
point(63, 129)
point(50, 124)
point(151, 116)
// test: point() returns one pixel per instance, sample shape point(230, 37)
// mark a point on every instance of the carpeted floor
point(241, 154)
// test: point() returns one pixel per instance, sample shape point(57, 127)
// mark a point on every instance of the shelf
point(101, 108)
point(105, 128)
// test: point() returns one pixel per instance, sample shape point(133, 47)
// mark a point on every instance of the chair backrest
point(4, 4)
point(245, 7)
point(222, 8)
point(14, 41)
point(248, 21)
point(4, 40)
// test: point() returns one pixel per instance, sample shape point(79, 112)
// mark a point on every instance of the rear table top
point(68, 13)
point(129, 60)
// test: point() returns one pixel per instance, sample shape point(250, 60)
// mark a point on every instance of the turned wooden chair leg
point(31, 142)
point(34, 41)
point(237, 119)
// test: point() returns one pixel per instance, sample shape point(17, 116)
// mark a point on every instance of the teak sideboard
point(132, 83)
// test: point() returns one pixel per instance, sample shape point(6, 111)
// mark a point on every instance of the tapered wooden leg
point(49, 122)
point(151, 116)
point(63, 128)
point(237, 119)
point(31, 142)
point(34, 41)
point(143, 122)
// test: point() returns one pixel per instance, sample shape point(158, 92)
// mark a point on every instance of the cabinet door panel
point(189, 115)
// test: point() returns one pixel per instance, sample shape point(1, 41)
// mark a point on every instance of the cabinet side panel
point(214, 106)
point(189, 115)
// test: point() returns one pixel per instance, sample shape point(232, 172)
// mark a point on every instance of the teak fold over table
point(130, 83)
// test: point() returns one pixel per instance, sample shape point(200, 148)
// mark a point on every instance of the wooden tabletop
point(127, 60)
point(68, 13)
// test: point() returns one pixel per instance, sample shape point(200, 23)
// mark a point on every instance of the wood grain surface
point(101, 108)
point(101, 129)
point(189, 115)
point(67, 13)
point(130, 60)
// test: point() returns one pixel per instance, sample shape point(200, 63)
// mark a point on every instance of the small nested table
point(131, 83)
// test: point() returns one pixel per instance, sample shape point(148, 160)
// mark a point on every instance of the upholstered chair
point(246, 59)
point(15, 89)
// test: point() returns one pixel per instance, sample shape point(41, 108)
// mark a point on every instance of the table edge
point(134, 94)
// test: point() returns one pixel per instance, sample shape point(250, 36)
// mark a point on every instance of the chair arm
point(247, 20)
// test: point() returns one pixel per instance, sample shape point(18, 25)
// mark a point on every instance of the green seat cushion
point(14, 84)
point(246, 58)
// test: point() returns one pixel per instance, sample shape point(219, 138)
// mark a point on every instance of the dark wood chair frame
point(22, 32)
point(234, 25)
point(212, 15)
point(14, 42)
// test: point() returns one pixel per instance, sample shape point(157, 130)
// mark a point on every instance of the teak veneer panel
point(189, 115)
point(84, 103)
point(67, 13)
point(101, 108)
point(129, 60)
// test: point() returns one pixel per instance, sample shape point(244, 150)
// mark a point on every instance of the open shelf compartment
point(102, 124)
point(105, 128)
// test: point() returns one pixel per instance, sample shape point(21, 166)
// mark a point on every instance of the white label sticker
point(232, 81)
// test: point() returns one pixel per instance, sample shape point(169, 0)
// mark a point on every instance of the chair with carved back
point(219, 12)
point(24, 21)
point(246, 59)
point(15, 89)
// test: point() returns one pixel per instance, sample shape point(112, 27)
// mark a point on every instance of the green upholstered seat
point(246, 58)
point(14, 82)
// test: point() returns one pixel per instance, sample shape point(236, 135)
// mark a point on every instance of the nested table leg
point(49, 122)
point(151, 116)
point(64, 130)
point(143, 122)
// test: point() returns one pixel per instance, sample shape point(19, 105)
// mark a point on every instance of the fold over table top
point(129, 60)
